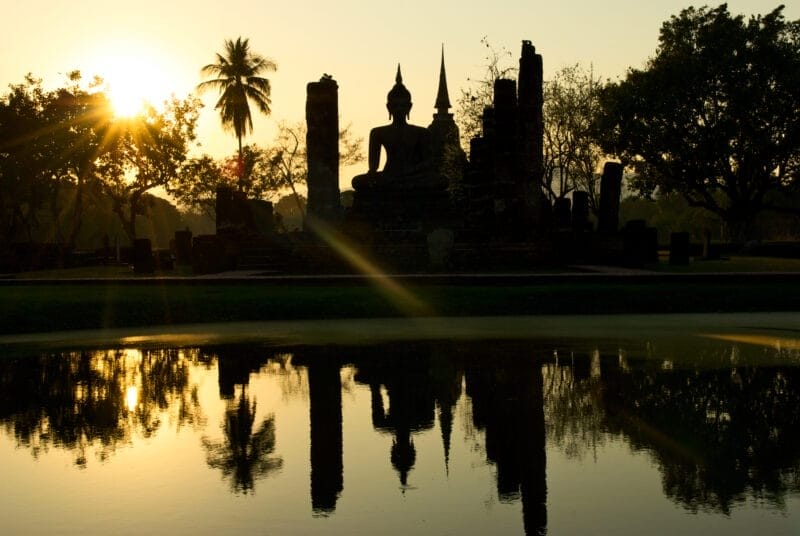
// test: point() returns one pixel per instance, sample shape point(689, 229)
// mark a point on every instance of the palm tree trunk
point(240, 165)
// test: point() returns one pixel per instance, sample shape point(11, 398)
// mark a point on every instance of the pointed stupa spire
point(442, 97)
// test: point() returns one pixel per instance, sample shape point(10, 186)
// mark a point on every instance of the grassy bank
point(54, 306)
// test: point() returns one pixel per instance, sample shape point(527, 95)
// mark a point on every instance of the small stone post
point(679, 248)
point(183, 246)
point(143, 261)
point(610, 191)
point(561, 214)
point(580, 211)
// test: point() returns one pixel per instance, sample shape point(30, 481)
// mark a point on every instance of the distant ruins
point(430, 207)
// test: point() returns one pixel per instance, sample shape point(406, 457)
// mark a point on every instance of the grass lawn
point(732, 264)
point(113, 296)
point(43, 307)
point(116, 271)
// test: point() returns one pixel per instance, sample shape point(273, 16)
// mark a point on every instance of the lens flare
point(405, 301)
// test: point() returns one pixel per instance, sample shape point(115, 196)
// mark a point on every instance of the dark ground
point(55, 305)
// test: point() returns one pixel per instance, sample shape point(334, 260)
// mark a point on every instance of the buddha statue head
point(398, 101)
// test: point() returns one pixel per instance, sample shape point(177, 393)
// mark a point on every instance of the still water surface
point(693, 429)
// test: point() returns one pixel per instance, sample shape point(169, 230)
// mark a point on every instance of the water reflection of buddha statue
point(408, 158)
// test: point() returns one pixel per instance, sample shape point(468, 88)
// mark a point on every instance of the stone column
point(322, 148)
point(480, 187)
point(610, 191)
point(143, 261)
point(531, 129)
point(183, 247)
point(505, 144)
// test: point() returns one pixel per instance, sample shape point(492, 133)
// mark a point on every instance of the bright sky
point(359, 42)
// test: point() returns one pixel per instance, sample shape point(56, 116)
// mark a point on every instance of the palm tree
point(244, 456)
point(236, 77)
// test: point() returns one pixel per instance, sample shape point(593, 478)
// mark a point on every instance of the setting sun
point(133, 78)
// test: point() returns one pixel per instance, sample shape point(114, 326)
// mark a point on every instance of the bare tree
point(571, 156)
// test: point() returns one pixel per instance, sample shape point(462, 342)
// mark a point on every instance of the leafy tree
point(669, 213)
point(288, 166)
point(264, 172)
point(291, 212)
point(48, 140)
point(715, 115)
point(80, 139)
point(287, 159)
point(24, 172)
point(148, 152)
point(571, 155)
point(236, 77)
point(195, 186)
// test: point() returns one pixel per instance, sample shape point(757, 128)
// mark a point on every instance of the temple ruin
point(429, 207)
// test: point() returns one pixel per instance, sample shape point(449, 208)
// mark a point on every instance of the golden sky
point(163, 44)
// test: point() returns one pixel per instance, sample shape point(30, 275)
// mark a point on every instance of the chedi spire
point(442, 97)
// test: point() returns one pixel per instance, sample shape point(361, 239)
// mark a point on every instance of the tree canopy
point(715, 114)
point(148, 151)
point(63, 148)
point(48, 140)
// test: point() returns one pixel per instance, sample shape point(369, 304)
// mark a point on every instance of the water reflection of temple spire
point(447, 380)
point(446, 426)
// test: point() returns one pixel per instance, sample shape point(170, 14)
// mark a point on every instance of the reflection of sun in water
point(132, 397)
point(133, 77)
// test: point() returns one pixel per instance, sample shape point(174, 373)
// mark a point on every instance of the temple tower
point(447, 157)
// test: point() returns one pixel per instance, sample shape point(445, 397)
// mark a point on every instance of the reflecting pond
point(690, 426)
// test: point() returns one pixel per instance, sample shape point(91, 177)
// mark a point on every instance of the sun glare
point(133, 78)
point(132, 397)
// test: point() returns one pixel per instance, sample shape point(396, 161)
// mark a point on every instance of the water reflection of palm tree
point(244, 456)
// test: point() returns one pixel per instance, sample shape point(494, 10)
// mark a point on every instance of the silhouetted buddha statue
point(408, 158)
